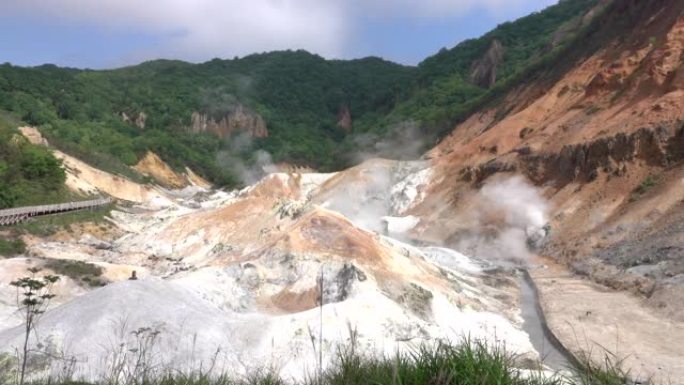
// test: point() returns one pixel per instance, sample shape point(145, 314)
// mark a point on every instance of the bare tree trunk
point(24, 358)
point(320, 331)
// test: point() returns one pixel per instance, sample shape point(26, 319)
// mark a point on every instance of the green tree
point(39, 163)
point(7, 197)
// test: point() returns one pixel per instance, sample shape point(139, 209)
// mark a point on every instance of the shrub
point(11, 247)
point(645, 186)
point(82, 272)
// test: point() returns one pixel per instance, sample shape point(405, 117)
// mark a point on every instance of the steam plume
point(507, 215)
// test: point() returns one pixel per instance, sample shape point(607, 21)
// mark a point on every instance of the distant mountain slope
point(288, 101)
point(299, 107)
point(457, 80)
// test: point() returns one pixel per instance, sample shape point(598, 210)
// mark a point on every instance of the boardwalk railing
point(16, 215)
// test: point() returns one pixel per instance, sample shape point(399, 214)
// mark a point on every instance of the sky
point(113, 33)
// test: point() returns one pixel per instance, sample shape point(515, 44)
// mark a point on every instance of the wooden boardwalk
point(16, 215)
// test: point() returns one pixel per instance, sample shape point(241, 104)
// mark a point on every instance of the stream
point(551, 351)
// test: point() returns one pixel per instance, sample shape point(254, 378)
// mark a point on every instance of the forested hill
point(298, 95)
point(299, 107)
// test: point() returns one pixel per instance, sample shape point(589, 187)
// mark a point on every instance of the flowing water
point(550, 350)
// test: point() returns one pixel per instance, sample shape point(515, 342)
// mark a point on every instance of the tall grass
point(472, 362)
point(608, 371)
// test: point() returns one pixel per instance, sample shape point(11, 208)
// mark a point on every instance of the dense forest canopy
point(299, 95)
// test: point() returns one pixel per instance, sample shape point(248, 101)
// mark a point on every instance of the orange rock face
point(603, 140)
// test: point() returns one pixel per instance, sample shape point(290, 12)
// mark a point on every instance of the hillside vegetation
point(445, 91)
point(29, 174)
point(300, 97)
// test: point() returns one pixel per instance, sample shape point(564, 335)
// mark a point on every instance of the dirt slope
point(85, 179)
point(602, 134)
point(151, 165)
point(608, 153)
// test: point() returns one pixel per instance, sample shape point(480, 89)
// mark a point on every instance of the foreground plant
point(33, 297)
point(472, 362)
point(608, 371)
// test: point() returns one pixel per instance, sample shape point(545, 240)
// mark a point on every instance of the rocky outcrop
point(238, 119)
point(138, 121)
point(344, 118)
point(479, 173)
point(483, 72)
point(338, 284)
point(583, 161)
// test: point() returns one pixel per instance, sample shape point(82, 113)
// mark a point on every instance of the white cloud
point(202, 29)
point(449, 8)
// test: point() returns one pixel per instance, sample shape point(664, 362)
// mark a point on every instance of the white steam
point(380, 196)
point(403, 141)
point(522, 203)
point(248, 172)
point(508, 215)
point(364, 200)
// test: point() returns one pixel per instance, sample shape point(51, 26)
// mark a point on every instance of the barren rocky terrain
point(236, 274)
